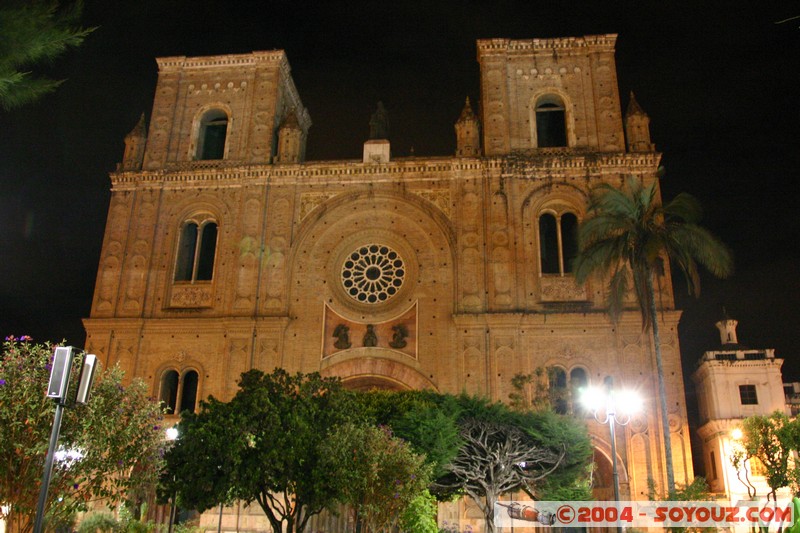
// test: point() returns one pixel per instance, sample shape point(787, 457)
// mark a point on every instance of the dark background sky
point(719, 80)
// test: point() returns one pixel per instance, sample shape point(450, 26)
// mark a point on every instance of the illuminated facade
point(226, 250)
point(734, 382)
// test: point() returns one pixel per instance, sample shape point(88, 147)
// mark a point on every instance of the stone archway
point(603, 476)
point(368, 383)
point(365, 373)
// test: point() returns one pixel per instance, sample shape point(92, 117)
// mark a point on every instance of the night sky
point(719, 81)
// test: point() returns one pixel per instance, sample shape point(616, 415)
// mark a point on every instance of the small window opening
point(208, 249)
point(747, 395)
point(548, 243)
point(551, 128)
point(189, 392)
point(186, 252)
point(212, 135)
point(558, 390)
point(569, 240)
point(169, 391)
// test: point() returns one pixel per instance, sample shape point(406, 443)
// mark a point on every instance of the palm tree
point(627, 235)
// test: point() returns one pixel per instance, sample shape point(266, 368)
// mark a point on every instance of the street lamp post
point(612, 407)
point(172, 435)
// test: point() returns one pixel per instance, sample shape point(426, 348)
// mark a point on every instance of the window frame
point(545, 102)
point(210, 120)
point(562, 391)
point(562, 243)
point(192, 260)
point(175, 400)
point(748, 394)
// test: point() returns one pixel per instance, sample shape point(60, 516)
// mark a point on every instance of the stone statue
point(370, 339)
point(399, 336)
point(342, 334)
point(379, 123)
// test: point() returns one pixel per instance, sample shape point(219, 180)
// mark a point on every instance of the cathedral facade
point(226, 250)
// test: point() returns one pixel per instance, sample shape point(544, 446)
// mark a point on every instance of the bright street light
point(172, 433)
point(612, 407)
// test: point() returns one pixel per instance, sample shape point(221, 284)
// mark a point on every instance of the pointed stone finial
point(633, 107)
point(467, 126)
point(637, 128)
point(290, 140)
point(290, 120)
point(139, 129)
point(466, 113)
point(134, 147)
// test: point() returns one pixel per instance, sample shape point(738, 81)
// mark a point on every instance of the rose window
point(373, 273)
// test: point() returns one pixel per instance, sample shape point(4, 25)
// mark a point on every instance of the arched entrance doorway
point(368, 383)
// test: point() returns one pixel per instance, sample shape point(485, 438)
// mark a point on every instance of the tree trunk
point(662, 393)
point(491, 498)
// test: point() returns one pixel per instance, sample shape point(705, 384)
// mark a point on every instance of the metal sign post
point(57, 390)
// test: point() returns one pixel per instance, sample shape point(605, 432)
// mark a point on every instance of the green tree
point(33, 32)
point(117, 436)
point(420, 515)
point(542, 453)
point(626, 236)
point(430, 425)
point(263, 446)
point(380, 475)
point(773, 440)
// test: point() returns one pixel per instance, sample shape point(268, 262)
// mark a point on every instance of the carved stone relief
point(561, 289)
point(311, 200)
point(191, 296)
point(441, 198)
point(398, 334)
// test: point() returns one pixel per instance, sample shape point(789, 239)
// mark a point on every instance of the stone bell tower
point(221, 108)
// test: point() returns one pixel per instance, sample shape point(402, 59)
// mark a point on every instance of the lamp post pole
point(595, 400)
point(48, 468)
point(611, 428)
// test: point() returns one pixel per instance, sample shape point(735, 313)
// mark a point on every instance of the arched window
point(557, 378)
point(196, 251)
point(189, 391)
point(212, 134)
point(578, 378)
point(569, 240)
point(564, 388)
point(578, 381)
point(169, 391)
point(551, 129)
point(558, 242)
point(179, 391)
point(548, 244)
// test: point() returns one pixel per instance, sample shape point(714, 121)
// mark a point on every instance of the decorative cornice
point(221, 61)
point(522, 165)
point(525, 46)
